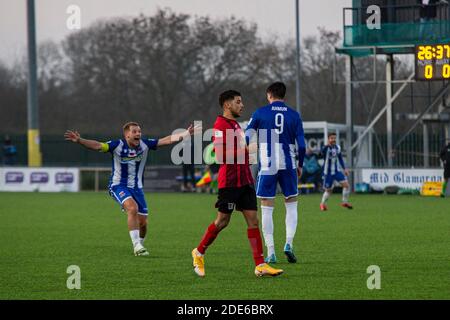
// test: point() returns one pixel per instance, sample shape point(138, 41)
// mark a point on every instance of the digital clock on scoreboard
point(432, 62)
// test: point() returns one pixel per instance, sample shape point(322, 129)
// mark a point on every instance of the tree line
point(168, 69)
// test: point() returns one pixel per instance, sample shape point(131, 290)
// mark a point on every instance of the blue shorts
point(329, 179)
point(266, 185)
point(121, 193)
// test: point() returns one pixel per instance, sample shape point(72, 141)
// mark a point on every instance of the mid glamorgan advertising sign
point(403, 178)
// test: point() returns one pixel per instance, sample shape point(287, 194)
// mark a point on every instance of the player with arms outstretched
point(332, 171)
point(280, 140)
point(236, 188)
point(129, 156)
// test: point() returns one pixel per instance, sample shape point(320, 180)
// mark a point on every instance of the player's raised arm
point(176, 137)
point(75, 137)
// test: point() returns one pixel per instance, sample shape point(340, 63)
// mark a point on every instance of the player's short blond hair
point(127, 125)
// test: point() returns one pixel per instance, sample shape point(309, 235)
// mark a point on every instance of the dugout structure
point(316, 136)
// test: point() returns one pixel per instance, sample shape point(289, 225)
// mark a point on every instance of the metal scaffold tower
point(378, 32)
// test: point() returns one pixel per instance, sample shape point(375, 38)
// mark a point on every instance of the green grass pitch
point(41, 234)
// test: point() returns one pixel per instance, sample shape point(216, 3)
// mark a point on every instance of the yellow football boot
point(198, 262)
point(266, 270)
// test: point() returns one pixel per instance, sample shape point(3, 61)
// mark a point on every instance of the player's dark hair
point(228, 95)
point(331, 134)
point(127, 125)
point(277, 90)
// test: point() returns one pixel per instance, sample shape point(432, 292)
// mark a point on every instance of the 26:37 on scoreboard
point(432, 62)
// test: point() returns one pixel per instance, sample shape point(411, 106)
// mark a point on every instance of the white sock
point(325, 197)
point(291, 221)
point(134, 235)
point(345, 194)
point(141, 240)
point(267, 227)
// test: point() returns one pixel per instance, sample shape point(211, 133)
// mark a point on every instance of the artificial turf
point(41, 234)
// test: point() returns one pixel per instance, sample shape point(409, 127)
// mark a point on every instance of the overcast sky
point(272, 16)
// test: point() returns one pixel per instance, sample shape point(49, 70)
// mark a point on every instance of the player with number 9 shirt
point(281, 140)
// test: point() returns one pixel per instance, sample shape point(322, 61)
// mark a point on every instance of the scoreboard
point(432, 62)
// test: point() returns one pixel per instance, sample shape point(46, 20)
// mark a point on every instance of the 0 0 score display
point(433, 62)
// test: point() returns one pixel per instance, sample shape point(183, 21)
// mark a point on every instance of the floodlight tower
point(34, 152)
point(297, 57)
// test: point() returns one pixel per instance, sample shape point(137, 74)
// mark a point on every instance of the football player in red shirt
point(236, 185)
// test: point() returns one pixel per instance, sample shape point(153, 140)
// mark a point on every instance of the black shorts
point(447, 173)
point(243, 198)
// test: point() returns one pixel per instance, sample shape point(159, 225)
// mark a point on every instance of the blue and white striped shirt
point(128, 163)
point(332, 156)
point(279, 128)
